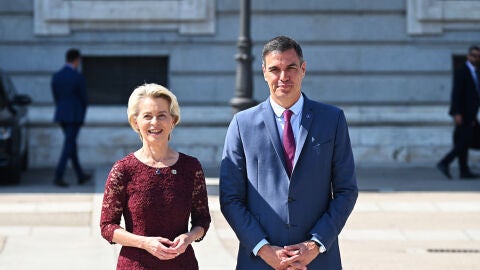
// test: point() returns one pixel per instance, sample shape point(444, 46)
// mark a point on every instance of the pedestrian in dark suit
point(287, 177)
point(463, 108)
point(70, 96)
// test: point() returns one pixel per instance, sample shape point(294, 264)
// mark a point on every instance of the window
point(111, 80)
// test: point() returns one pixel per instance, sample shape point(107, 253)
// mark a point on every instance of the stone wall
point(388, 64)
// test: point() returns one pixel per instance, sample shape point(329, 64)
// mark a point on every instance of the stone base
point(380, 135)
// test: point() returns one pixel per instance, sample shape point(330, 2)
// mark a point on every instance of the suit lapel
point(305, 123)
point(269, 120)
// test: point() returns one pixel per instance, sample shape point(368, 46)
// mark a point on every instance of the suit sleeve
point(343, 185)
point(82, 92)
point(233, 190)
point(458, 94)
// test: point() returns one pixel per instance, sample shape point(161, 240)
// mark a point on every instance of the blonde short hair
point(151, 90)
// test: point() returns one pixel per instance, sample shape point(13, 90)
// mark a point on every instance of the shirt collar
point(70, 66)
point(470, 66)
point(296, 108)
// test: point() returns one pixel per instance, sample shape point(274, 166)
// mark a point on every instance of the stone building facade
point(388, 64)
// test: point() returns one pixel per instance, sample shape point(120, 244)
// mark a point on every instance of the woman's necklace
point(161, 164)
point(158, 165)
point(158, 171)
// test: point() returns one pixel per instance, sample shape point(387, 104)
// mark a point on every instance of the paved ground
point(405, 218)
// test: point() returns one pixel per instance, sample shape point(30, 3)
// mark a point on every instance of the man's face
point(474, 58)
point(284, 73)
point(76, 63)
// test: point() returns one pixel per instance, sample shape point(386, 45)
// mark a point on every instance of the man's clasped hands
point(294, 257)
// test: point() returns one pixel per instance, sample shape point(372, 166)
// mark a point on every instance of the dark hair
point(473, 48)
point(72, 55)
point(281, 44)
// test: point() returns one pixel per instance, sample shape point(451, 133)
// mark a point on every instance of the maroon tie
point(288, 141)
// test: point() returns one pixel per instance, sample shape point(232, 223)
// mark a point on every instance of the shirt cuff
point(259, 246)
point(322, 247)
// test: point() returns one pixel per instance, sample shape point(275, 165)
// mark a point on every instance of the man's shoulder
point(317, 106)
point(62, 72)
point(462, 70)
point(251, 112)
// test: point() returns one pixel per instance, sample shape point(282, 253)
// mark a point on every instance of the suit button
point(290, 199)
point(287, 226)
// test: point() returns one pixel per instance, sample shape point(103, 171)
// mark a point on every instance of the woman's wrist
point(191, 237)
point(196, 233)
point(142, 242)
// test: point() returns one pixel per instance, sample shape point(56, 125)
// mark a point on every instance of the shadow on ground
point(369, 180)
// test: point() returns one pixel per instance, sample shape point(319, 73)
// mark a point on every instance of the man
point(287, 178)
point(463, 109)
point(70, 96)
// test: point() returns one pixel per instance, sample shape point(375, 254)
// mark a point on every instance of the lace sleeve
point(200, 213)
point(114, 200)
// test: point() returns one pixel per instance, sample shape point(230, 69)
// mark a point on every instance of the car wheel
point(13, 174)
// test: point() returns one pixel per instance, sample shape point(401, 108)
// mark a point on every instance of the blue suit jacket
point(70, 96)
point(260, 201)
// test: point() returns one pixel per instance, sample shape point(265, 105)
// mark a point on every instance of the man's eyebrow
point(290, 65)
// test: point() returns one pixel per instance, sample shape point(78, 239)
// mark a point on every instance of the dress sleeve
point(200, 212)
point(114, 201)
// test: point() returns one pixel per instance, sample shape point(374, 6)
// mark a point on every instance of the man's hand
point(300, 254)
point(273, 256)
point(458, 119)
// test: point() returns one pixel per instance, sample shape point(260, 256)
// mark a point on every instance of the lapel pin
point(308, 115)
point(174, 171)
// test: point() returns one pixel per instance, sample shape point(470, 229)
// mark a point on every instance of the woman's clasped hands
point(164, 248)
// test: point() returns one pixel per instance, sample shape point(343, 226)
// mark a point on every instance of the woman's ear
point(135, 123)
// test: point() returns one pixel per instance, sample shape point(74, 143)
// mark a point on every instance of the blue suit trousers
point(69, 151)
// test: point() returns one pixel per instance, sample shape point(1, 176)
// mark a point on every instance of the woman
point(156, 189)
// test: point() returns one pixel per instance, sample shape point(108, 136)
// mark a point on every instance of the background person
point(287, 178)
point(464, 109)
point(70, 96)
point(156, 189)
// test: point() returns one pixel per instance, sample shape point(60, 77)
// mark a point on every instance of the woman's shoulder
point(126, 162)
point(191, 165)
point(187, 160)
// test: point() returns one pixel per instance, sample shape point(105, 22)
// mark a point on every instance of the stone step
point(220, 116)
point(45, 210)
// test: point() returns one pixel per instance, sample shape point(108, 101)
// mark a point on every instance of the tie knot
point(287, 114)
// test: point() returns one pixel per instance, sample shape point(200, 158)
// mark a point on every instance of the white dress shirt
point(476, 80)
point(295, 122)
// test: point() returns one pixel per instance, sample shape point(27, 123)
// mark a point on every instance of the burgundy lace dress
point(154, 205)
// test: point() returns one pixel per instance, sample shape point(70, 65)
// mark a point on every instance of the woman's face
point(154, 121)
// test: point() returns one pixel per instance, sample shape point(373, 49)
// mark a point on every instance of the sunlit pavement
point(405, 218)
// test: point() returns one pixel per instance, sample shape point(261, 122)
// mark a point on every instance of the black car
point(13, 131)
